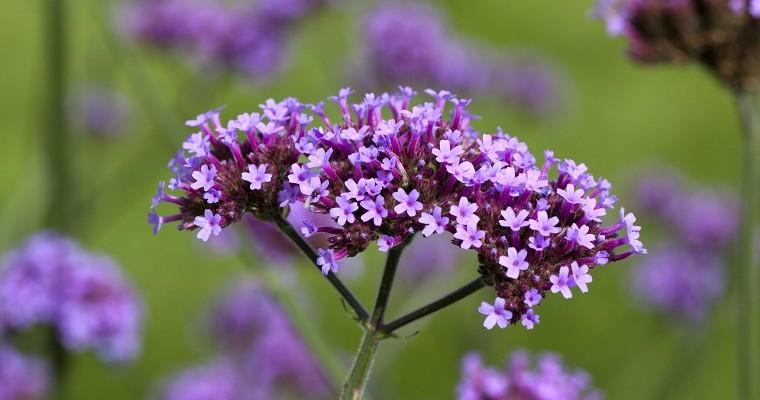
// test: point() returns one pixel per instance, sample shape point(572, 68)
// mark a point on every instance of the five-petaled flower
point(495, 314)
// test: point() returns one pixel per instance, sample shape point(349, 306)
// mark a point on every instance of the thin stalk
point(357, 379)
point(55, 138)
point(360, 312)
point(272, 282)
point(386, 284)
point(59, 361)
point(55, 135)
point(747, 272)
point(439, 304)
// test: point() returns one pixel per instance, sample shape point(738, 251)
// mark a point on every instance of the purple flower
point(571, 195)
point(561, 283)
point(580, 236)
point(423, 50)
point(480, 383)
point(495, 314)
point(407, 203)
point(210, 224)
point(212, 381)
point(22, 377)
point(434, 223)
point(319, 158)
point(465, 212)
point(375, 210)
point(679, 282)
point(544, 225)
point(50, 280)
point(530, 319)
point(327, 261)
point(384, 149)
point(514, 262)
point(470, 236)
point(447, 155)
point(344, 212)
point(257, 175)
point(260, 351)
point(532, 298)
point(549, 379)
point(204, 179)
point(581, 277)
point(514, 221)
point(99, 310)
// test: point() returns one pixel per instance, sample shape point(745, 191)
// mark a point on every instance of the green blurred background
point(618, 118)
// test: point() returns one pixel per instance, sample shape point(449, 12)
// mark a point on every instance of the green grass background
point(618, 119)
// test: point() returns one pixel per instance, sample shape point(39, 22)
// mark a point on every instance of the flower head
point(721, 35)
point(429, 172)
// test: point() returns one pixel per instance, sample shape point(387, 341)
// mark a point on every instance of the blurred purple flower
point(679, 281)
point(50, 280)
point(99, 310)
point(21, 377)
point(101, 111)
point(684, 276)
point(549, 380)
point(411, 43)
point(217, 380)
point(721, 35)
point(254, 330)
point(247, 38)
point(705, 219)
point(31, 280)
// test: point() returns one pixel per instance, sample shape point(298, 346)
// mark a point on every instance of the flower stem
point(59, 361)
point(359, 310)
point(747, 272)
point(55, 133)
point(353, 388)
point(386, 284)
point(441, 303)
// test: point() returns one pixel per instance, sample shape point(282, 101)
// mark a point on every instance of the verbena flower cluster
point(261, 355)
point(248, 38)
point(411, 43)
point(685, 274)
point(385, 170)
point(22, 377)
point(50, 280)
point(723, 35)
point(548, 380)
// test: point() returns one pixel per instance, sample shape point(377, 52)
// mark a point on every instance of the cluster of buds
point(722, 35)
point(387, 170)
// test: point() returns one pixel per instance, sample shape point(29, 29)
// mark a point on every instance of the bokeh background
point(618, 118)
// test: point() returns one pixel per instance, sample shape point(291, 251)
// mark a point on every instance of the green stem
point(386, 284)
point(55, 136)
point(59, 361)
point(356, 383)
point(360, 312)
point(436, 305)
point(331, 366)
point(747, 272)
